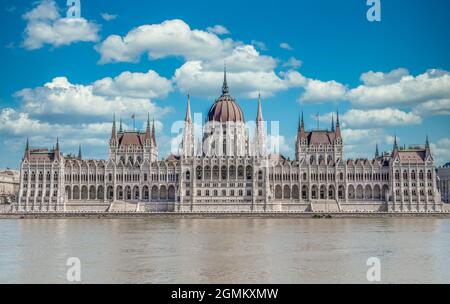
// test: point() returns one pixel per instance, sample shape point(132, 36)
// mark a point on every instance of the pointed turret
point(57, 144)
point(332, 123)
point(259, 116)
point(427, 147)
point(188, 117)
point(148, 130)
point(338, 126)
point(377, 153)
point(225, 89)
point(154, 134)
point(80, 156)
point(27, 149)
point(302, 127)
point(114, 132)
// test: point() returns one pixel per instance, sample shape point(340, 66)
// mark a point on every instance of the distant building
point(232, 173)
point(9, 185)
point(444, 182)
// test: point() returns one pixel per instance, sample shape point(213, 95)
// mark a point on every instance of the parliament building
point(228, 171)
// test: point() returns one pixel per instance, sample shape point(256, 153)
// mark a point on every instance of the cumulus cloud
point(322, 91)
point(433, 107)
point(193, 78)
point(441, 151)
point(135, 85)
point(218, 29)
point(400, 88)
point(293, 63)
point(60, 97)
point(46, 26)
point(286, 46)
point(108, 17)
point(170, 38)
point(378, 118)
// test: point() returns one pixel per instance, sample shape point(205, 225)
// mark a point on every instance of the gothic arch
point(376, 192)
point(163, 193)
point(351, 192)
point(84, 193)
point(145, 193)
point(100, 193)
point(286, 192)
point(278, 192)
point(295, 193)
point(119, 194)
point(171, 193)
point(155, 193)
point(92, 193)
point(359, 192)
point(368, 192)
point(331, 192)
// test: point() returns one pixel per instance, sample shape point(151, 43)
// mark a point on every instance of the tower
point(188, 143)
point(260, 133)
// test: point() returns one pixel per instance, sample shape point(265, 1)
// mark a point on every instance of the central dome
point(225, 109)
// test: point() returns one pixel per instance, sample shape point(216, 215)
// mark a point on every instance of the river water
point(225, 250)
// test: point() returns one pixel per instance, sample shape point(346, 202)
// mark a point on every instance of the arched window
point(224, 172)
point(188, 175)
point(249, 172)
point(199, 173)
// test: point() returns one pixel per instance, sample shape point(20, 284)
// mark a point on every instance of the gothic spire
point(57, 143)
point(80, 157)
point(188, 118)
point(148, 131)
point(395, 143)
point(225, 89)
point(338, 125)
point(120, 126)
point(154, 132)
point(332, 123)
point(259, 117)
point(427, 143)
point(377, 153)
point(113, 132)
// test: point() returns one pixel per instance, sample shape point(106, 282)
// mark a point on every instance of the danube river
point(225, 250)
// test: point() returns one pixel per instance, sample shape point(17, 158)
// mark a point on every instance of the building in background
point(444, 182)
point(9, 186)
point(226, 171)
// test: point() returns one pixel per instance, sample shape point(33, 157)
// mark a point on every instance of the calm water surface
point(225, 250)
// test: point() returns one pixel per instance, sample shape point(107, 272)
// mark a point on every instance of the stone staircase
point(325, 206)
point(121, 206)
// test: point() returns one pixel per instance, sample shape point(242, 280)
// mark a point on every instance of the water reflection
point(225, 250)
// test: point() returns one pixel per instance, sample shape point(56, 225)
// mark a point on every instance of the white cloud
point(259, 45)
point(441, 151)
point(135, 85)
point(286, 46)
point(433, 107)
point(108, 17)
point(193, 78)
point(170, 38)
point(321, 91)
point(400, 88)
point(60, 97)
point(218, 29)
point(379, 118)
point(293, 63)
point(45, 26)
point(279, 144)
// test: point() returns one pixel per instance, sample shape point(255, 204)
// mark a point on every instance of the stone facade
point(9, 185)
point(444, 182)
point(225, 171)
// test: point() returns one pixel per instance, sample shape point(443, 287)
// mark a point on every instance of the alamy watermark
point(73, 273)
point(373, 274)
point(374, 12)
point(74, 9)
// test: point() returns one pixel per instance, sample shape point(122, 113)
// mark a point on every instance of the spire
point(301, 129)
point(188, 110)
point(57, 143)
point(338, 125)
point(427, 148)
point(332, 123)
point(154, 132)
point(120, 126)
point(225, 89)
point(259, 117)
point(27, 149)
point(80, 157)
point(427, 143)
point(377, 153)
point(395, 143)
point(147, 132)
point(113, 132)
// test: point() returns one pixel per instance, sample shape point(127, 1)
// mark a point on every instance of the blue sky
point(65, 78)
